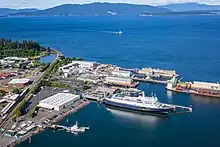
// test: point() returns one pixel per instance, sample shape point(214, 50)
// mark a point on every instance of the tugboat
point(75, 128)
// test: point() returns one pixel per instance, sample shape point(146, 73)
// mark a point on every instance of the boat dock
point(149, 80)
point(75, 109)
point(73, 129)
point(179, 109)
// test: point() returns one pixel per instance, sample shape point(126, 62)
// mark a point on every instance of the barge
point(196, 88)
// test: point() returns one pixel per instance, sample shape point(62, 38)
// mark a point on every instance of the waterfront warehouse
point(122, 81)
point(121, 73)
point(157, 72)
point(58, 101)
point(85, 64)
point(68, 68)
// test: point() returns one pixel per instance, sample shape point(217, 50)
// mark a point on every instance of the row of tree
point(21, 49)
point(21, 110)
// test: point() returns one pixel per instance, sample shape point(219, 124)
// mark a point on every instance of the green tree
point(16, 90)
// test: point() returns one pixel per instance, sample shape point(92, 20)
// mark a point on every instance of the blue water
point(48, 59)
point(188, 44)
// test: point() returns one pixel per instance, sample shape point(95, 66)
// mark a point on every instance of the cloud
point(42, 4)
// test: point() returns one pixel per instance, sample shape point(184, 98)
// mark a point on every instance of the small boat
point(120, 32)
point(76, 128)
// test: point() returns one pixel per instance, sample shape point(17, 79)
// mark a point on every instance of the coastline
point(56, 120)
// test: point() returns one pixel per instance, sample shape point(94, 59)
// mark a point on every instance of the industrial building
point(158, 72)
point(19, 82)
point(59, 101)
point(86, 64)
point(89, 78)
point(68, 68)
point(121, 73)
point(17, 59)
point(106, 90)
point(122, 81)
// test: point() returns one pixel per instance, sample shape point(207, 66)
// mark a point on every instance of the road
point(7, 123)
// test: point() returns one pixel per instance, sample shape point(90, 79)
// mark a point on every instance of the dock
point(80, 106)
point(179, 109)
point(150, 81)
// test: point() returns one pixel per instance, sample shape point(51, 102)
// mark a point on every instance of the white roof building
point(12, 97)
point(68, 68)
point(75, 64)
point(58, 101)
point(121, 73)
point(19, 81)
point(16, 59)
point(85, 64)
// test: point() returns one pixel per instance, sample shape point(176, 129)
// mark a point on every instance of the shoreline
point(40, 130)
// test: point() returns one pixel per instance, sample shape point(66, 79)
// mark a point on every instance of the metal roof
point(19, 81)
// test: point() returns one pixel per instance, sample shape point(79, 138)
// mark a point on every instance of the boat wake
point(113, 32)
point(135, 117)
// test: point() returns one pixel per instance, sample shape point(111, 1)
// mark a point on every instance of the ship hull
point(193, 92)
point(156, 111)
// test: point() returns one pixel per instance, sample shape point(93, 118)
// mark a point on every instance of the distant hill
point(93, 9)
point(106, 9)
point(180, 7)
point(6, 11)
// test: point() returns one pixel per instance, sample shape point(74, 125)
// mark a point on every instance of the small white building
point(12, 97)
point(59, 101)
point(121, 73)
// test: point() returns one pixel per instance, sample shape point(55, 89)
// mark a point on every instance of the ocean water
point(188, 44)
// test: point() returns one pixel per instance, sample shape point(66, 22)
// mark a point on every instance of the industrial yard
point(69, 88)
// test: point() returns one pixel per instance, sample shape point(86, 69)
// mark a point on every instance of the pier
point(150, 80)
point(178, 108)
point(16, 140)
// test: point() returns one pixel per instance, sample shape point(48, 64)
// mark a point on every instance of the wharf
point(150, 81)
point(93, 98)
point(39, 130)
point(75, 109)
point(178, 108)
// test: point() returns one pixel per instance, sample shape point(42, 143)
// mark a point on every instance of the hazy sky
point(42, 4)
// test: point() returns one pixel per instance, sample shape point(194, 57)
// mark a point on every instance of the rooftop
point(19, 81)
point(15, 58)
point(59, 99)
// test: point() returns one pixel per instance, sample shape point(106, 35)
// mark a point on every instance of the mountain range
point(103, 9)
point(6, 11)
point(180, 7)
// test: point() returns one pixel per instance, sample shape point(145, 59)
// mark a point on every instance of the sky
point(43, 4)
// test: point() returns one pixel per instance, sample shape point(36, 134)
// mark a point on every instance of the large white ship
point(137, 101)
